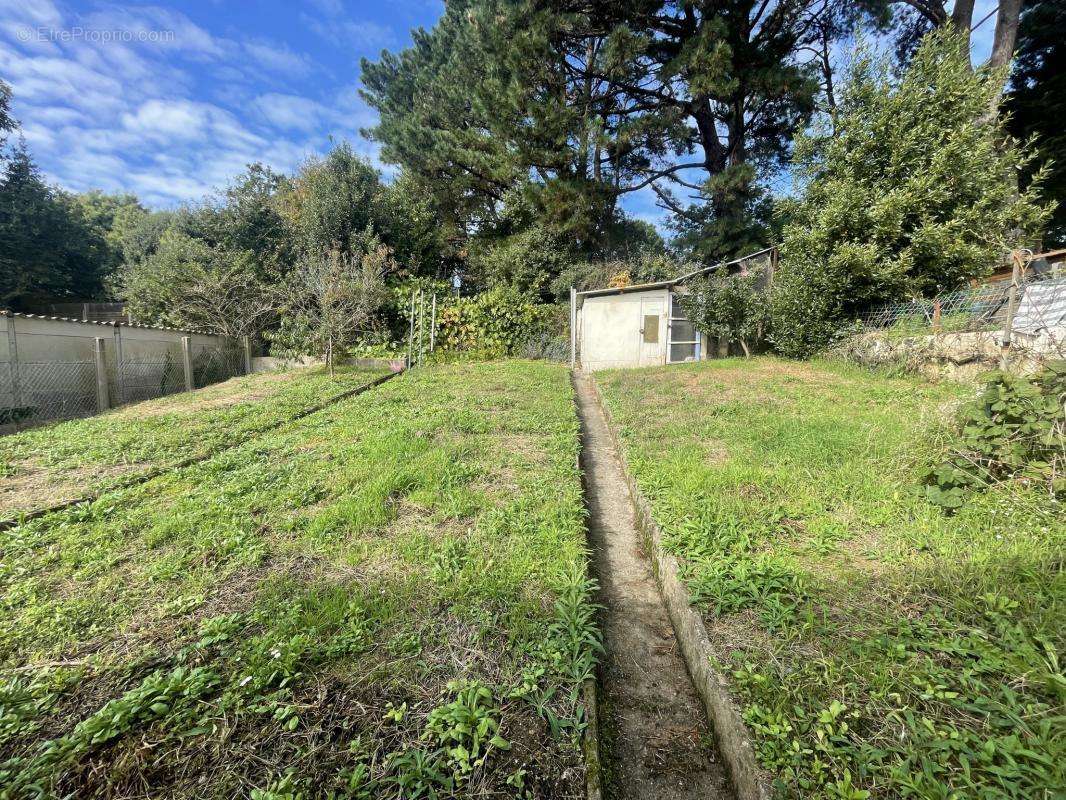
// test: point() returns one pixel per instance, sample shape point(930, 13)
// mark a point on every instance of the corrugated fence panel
point(48, 367)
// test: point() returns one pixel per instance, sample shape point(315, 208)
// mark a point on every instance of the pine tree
point(1037, 102)
point(583, 101)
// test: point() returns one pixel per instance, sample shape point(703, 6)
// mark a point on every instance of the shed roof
point(667, 284)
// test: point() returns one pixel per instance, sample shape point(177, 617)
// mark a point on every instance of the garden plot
point(65, 461)
point(385, 599)
point(878, 647)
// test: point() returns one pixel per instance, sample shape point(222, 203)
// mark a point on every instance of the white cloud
point(278, 58)
point(360, 35)
point(289, 111)
point(170, 120)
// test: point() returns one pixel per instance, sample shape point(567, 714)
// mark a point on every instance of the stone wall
point(956, 355)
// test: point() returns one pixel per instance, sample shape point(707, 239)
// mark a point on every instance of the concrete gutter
point(731, 733)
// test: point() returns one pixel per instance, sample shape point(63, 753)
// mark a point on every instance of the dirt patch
point(33, 486)
point(233, 392)
point(658, 741)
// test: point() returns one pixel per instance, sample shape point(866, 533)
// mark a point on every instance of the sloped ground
point(384, 599)
point(46, 466)
point(879, 648)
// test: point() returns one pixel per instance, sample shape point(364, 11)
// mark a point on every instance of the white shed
point(645, 325)
point(635, 326)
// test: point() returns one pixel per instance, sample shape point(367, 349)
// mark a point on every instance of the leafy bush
point(1016, 430)
point(907, 190)
point(493, 324)
point(731, 307)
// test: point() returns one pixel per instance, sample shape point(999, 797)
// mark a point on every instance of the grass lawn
point(66, 460)
point(386, 598)
point(879, 648)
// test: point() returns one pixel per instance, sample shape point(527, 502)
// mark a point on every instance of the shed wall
point(610, 329)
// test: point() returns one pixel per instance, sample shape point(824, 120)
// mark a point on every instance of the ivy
point(492, 324)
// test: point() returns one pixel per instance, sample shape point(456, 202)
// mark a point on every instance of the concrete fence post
point(246, 346)
point(13, 354)
point(186, 360)
point(120, 382)
point(103, 401)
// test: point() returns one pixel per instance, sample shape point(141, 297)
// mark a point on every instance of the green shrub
point(1016, 430)
point(492, 324)
point(909, 189)
point(731, 307)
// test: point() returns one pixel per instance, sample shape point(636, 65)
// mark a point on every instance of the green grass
point(879, 648)
point(41, 467)
point(386, 598)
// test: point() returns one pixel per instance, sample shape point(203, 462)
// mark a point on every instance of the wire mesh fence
point(154, 368)
point(54, 369)
point(215, 364)
point(1018, 322)
point(54, 390)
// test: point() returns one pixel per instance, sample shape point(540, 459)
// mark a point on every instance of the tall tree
point(1037, 101)
point(106, 216)
point(331, 202)
point(587, 100)
point(916, 17)
point(7, 122)
point(47, 252)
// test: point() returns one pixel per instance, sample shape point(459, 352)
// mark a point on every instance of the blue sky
point(171, 101)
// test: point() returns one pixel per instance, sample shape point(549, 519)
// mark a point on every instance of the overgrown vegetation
point(493, 324)
point(1015, 431)
point(59, 462)
point(880, 648)
point(909, 188)
point(730, 307)
point(385, 599)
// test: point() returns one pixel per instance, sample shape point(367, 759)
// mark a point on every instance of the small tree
point(330, 300)
point(730, 307)
point(910, 189)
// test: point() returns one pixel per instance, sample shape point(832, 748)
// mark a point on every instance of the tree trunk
point(962, 17)
point(1006, 33)
point(747, 350)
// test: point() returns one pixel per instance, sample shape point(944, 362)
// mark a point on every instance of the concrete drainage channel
point(144, 477)
point(662, 707)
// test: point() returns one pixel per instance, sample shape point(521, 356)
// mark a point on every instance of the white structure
point(637, 326)
point(645, 325)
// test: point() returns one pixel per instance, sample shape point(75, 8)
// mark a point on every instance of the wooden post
point(936, 316)
point(246, 344)
point(1012, 306)
point(573, 327)
point(186, 360)
point(103, 402)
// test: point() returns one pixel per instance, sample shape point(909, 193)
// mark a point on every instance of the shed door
point(652, 335)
